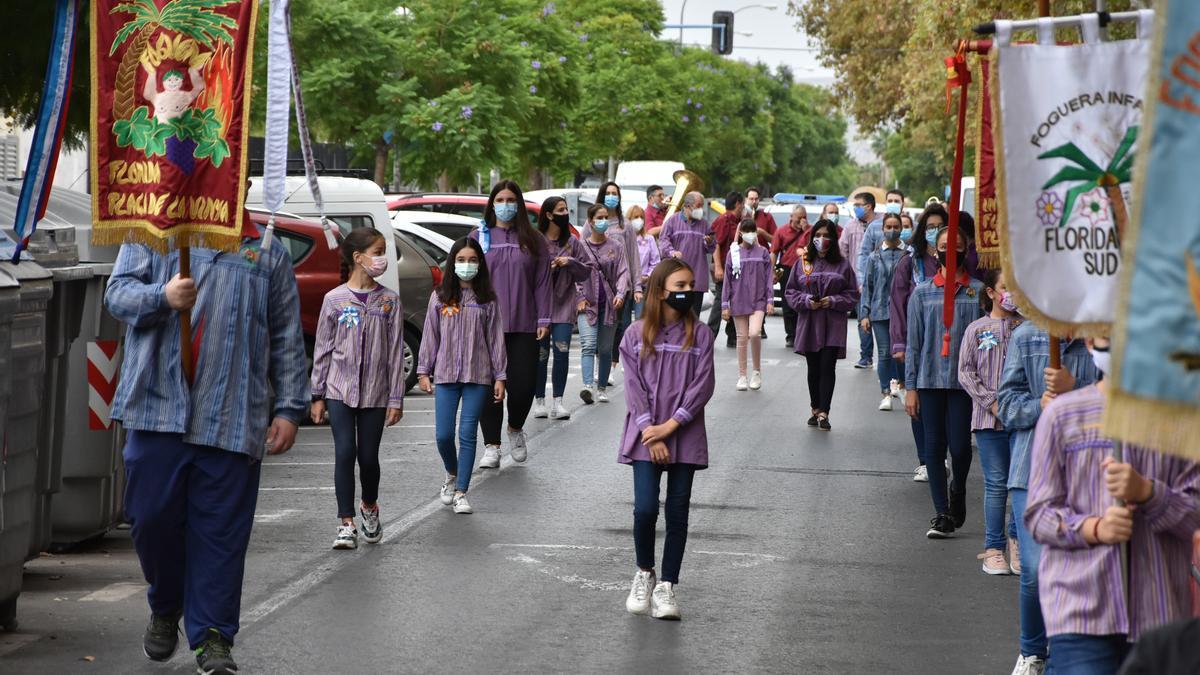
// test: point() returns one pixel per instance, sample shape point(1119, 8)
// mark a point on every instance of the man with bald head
point(688, 236)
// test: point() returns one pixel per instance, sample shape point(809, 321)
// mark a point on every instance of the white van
point(635, 177)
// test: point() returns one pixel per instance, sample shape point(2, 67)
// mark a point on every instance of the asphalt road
point(806, 554)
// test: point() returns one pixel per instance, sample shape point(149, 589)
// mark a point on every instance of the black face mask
point(561, 219)
point(681, 301)
point(941, 256)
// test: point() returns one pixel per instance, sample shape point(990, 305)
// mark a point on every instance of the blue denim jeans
point(946, 414)
point(918, 432)
point(446, 397)
point(596, 342)
point(356, 436)
point(887, 367)
point(1033, 626)
point(1076, 654)
point(995, 449)
point(646, 479)
point(558, 341)
point(866, 342)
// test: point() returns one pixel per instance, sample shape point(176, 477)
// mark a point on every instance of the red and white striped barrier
point(104, 364)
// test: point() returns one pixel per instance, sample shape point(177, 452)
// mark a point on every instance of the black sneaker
point(161, 637)
point(213, 656)
point(958, 507)
point(823, 422)
point(789, 342)
point(940, 527)
point(812, 421)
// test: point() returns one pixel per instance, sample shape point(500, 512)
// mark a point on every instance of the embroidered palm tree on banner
point(1089, 176)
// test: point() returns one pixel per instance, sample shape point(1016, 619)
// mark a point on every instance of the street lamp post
point(769, 8)
point(681, 11)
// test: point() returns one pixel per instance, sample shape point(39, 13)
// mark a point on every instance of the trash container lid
point(7, 281)
point(73, 273)
point(27, 271)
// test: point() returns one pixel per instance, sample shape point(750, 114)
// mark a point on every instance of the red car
point(470, 205)
point(318, 270)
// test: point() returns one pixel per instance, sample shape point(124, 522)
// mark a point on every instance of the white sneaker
point(447, 492)
point(638, 601)
point(742, 383)
point(755, 381)
point(347, 538)
point(896, 389)
point(372, 528)
point(587, 394)
point(520, 451)
point(662, 602)
point(558, 412)
point(886, 404)
point(921, 475)
point(1029, 665)
point(601, 395)
point(491, 457)
point(539, 409)
point(461, 505)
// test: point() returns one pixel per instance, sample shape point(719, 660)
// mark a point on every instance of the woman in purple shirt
point(516, 256)
point(823, 290)
point(568, 267)
point(358, 377)
point(462, 351)
point(668, 381)
point(601, 298)
point(748, 295)
point(648, 257)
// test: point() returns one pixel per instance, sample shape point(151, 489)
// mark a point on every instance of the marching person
point(516, 258)
point(1027, 384)
point(980, 363)
point(648, 258)
point(725, 230)
point(1084, 507)
point(853, 243)
point(463, 354)
point(877, 290)
point(669, 380)
point(832, 213)
point(748, 297)
point(912, 270)
point(619, 229)
point(656, 210)
point(893, 204)
point(786, 248)
point(823, 290)
point(192, 468)
point(763, 222)
point(568, 266)
point(358, 377)
point(601, 298)
point(932, 388)
point(688, 237)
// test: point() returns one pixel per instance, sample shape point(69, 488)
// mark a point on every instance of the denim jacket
point(1022, 384)
point(924, 365)
point(877, 282)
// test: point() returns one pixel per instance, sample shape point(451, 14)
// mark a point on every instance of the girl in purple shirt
point(462, 352)
point(516, 257)
point(569, 265)
point(601, 298)
point(358, 377)
point(668, 380)
point(747, 296)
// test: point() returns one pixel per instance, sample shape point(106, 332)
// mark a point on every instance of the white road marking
point(275, 516)
point(396, 460)
point(573, 579)
point(114, 592)
point(292, 489)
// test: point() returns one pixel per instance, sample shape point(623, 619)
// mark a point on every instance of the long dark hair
point(990, 279)
point(357, 241)
point(450, 292)
point(652, 315)
point(603, 192)
point(834, 254)
point(918, 243)
point(546, 217)
point(531, 240)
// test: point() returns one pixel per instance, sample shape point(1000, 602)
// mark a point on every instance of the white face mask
point(1103, 360)
point(821, 244)
point(749, 238)
point(698, 214)
point(638, 224)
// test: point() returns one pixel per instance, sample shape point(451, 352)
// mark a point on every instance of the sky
point(776, 39)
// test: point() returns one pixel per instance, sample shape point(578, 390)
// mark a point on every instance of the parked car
point(433, 244)
point(448, 225)
point(462, 204)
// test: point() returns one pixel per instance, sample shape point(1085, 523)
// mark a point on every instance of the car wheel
point(412, 346)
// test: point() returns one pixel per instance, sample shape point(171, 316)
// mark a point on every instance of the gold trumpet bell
point(685, 182)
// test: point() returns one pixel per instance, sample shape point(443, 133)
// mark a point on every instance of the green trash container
point(26, 342)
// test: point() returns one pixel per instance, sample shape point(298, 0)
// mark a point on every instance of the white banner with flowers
point(1066, 129)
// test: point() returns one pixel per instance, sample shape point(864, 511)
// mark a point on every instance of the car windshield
point(430, 249)
point(453, 231)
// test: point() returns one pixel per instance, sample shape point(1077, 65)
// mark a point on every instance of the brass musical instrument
point(685, 182)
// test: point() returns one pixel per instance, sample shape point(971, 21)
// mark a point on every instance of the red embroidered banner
point(987, 240)
point(169, 110)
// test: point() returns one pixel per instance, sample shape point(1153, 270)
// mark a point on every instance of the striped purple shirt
point(358, 356)
point(466, 346)
point(1080, 585)
point(564, 300)
point(610, 269)
point(980, 363)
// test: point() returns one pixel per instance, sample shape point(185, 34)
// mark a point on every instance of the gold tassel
point(1160, 425)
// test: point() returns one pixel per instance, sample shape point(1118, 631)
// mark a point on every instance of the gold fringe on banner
point(216, 237)
point(1164, 426)
point(1055, 327)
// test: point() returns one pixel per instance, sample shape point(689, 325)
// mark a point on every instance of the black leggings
point(822, 375)
point(522, 350)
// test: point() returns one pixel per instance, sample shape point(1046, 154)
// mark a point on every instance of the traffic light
point(722, 33)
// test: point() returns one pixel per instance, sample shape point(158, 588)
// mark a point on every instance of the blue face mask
point(860, 212)
point(931, 237)
point(611, 201)
point(466, 270)
point(906, 234)
point(834, 217)
point(893, 208)
point(506, 212)
point(891, 235)
point(600, 225)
